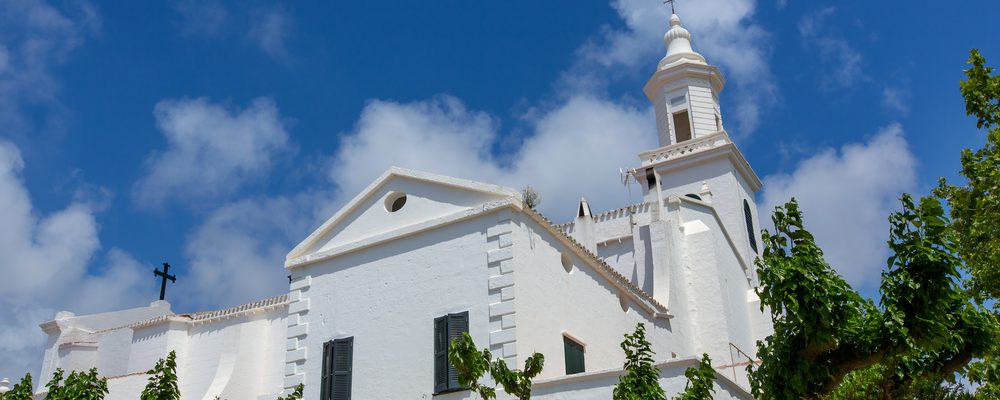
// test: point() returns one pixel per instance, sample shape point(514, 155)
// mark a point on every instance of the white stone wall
point(728, 192)
point(599, 385)
point(582, 304)
point(236, 357)
point(387, 297)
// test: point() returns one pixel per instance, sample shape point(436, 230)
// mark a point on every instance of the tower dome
point(684, 90)
point(678, 43)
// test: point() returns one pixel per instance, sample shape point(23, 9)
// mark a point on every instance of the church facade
point(377, 292)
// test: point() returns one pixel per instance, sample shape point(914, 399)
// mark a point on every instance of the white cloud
point(236, 255)
point(896, 99)
point(211, 151)
point(270, 31)
point(45, 269)
point(721, 30)
point(267, 28)
point(846, 196)
point(575, 149)
point(205, 18)
point(843, 64)
point(34, 37)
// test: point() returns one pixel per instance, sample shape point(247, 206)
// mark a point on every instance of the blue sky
point(216, 135)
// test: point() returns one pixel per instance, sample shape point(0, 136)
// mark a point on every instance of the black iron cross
point(165, 275)
point(671, 5)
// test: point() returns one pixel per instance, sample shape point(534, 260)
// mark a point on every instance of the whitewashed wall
point(387, 297)
point(580, 303)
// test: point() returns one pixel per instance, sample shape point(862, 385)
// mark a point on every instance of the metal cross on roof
point(165, 274)
point(671, 5)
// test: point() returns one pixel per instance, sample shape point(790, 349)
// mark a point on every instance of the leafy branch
point(471, 365)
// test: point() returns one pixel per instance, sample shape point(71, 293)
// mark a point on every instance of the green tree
point(55, 386)
point(975, 206)
point(701, 381)
point(642, 380)
point(23, 390)
point(77, 386)
point(162, 383)
point(295, 395)
point(471, 365)
point(925, 327)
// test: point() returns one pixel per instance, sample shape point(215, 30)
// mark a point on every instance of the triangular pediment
point(378, 210)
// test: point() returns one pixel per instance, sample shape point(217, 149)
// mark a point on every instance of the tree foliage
point(975, 206)
point(471, 365)
point(162, 383)
point(295, 395)
point(925, 327)
point(641, 381)
point(531, 197)
point(77, 386)
point(701, 381)
point(23, 390)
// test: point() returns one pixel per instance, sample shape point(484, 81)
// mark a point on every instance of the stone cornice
point(682, 70)
point(699, 149)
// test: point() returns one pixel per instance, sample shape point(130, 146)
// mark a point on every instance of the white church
point(378, 291)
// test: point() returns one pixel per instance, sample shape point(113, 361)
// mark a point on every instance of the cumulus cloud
point(846, 195)
point(845, 64)
point(45, 268)
point(721, 30)
point(236, 255)
point(211, 150)
point(575, 149)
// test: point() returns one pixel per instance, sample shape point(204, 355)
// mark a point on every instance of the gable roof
point(395, 172)
point(511, 199)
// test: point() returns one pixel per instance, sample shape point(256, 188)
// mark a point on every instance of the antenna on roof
point(626, 174)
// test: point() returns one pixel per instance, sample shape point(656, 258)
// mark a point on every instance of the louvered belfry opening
point(446, 329)
point(338, 357)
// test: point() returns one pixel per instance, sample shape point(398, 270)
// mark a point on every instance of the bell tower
point(696, 158)
point(684, 90)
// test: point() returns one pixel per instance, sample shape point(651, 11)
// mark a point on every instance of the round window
point(395, 201)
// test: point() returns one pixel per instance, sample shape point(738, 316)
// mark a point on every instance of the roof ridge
point(205, 316)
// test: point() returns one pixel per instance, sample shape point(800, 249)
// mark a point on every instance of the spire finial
point(672, 11)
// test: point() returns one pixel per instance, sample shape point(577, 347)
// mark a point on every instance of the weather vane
point(671, 5)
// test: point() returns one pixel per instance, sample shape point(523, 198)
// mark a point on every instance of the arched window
point(750, 234)
point(693, 196)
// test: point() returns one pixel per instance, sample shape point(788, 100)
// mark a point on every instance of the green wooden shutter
point(574, 356)
point(327, 376)
point(457, 325)
point(441, 364)
point(343, 353)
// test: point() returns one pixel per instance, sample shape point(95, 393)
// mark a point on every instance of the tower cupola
point(684, 90)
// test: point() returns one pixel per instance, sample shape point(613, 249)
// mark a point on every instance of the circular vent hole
point(395, 201)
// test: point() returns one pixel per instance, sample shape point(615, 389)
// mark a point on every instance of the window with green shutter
point(574, 356)
point(337, 365)
point(446, 329)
